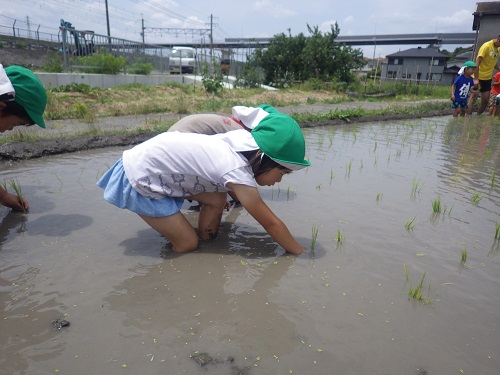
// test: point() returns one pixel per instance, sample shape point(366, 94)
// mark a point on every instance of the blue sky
point(251, 18)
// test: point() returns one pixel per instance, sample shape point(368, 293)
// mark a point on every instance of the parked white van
point(182, 60)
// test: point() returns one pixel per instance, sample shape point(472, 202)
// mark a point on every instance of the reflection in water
point(13, 222)
point(25, 321)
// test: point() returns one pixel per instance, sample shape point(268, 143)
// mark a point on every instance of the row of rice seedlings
point(476, 198)
point(410, 224)
point(314, 236)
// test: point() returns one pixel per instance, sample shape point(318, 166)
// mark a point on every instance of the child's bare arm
point(253, 203)
point(12, 201)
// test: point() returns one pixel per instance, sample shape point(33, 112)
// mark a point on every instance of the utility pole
point(211, 36)
point(29, 26)
point(107, 21)
point(142, 32)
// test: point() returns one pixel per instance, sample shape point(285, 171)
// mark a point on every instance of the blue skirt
point(118, 191)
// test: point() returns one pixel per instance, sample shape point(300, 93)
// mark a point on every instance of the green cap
point(268, 108)
point(280, 138)
point(29, 92)
point(469, 64)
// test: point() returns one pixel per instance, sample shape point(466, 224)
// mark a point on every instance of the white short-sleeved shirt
point(178, 164)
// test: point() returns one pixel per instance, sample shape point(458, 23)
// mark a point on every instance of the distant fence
point(72, 43)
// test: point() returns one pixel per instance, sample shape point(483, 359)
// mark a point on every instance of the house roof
point(419, 52)
point(491, 8)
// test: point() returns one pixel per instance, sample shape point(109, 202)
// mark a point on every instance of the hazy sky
point(250, 18)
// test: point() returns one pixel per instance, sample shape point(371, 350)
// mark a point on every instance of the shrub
point(53, 63)
point(212, 81)
point(141, 68)
point(101, 63)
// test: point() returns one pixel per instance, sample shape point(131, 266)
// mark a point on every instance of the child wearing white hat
point(153, 178)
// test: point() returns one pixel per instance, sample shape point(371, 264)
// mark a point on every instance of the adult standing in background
point(486, 61)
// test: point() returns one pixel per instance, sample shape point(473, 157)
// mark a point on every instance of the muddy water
point(341, 308)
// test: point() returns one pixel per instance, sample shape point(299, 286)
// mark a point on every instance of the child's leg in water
point(175, 228)
point(212, 206)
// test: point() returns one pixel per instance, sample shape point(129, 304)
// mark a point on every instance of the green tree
point(298, 57)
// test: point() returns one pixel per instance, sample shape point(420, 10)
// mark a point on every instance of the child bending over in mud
point(22, 102)
point(153, 178)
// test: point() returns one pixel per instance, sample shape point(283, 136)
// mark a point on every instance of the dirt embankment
point(16, 151)
point(30, 57)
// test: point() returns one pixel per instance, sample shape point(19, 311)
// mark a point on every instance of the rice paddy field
point(401, 274)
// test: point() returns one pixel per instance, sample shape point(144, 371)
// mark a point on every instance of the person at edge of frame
point(23, 100)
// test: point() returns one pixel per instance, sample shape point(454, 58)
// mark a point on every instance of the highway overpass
point(361, 40)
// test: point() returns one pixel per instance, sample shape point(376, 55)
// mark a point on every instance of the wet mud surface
point(343, 306)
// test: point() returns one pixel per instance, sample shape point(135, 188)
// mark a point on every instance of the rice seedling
point(476, 198)
point(340, 238)
point(464, 255)
point(410, 224)
point(4, 185)
point(14, 184)
point(348, 168)
point(497, 231)
point(314, 236)
point(406, 272)
point(379, 197)
point(332, 175)
point(417, 292)
point(437, 207)
point(492, 178)
point(416, 186)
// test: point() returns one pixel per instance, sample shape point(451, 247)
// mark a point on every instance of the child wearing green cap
point(22, 102)
point(461, 87)
point(153, 178)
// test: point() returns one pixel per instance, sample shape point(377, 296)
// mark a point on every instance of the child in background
point(22, 102)
point(461, 87)
point(242, 118)
point(153, 178)
point(494, 95)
